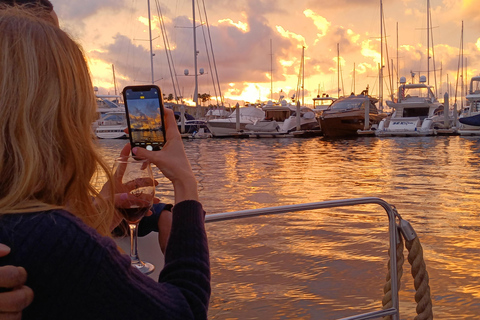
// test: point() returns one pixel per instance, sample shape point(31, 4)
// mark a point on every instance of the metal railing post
point(392, 227)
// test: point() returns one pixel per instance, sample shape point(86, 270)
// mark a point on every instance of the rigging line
point(213, 55)
point(433, 56)
point(388, 59)
point(341, 76)
point(206, 50)
point(168, 52)
point(460, 57)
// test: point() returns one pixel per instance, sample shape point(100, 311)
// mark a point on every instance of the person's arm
point(77, 274)
point(14, 295)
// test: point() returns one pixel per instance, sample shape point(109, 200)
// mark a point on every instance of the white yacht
point(106, 104)
point(112, 126)
point(282, 118)
point(416, 112)
point(469, 119)
point(234, 124)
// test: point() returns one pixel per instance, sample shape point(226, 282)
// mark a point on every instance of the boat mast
point(114, 81)
point(428, 42)
point(397, 58)
point(150, 39)
point(271, 71)
point(461, 76)
point(303, 75)
point(380, 76)
point(195, 52)
point(338, 70)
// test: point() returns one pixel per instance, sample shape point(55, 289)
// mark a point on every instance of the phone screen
point(144, 107)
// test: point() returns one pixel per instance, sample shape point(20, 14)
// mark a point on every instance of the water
point(331, 263)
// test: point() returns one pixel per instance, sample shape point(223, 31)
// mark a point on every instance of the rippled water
point(331, 263)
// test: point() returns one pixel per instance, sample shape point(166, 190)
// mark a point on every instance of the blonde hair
point(47, 105)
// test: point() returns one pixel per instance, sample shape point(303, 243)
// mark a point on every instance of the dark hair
point(46, 4)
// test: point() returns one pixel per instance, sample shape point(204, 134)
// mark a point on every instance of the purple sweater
point(77, 274)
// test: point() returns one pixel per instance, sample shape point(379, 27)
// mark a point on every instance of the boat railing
point(393, 237)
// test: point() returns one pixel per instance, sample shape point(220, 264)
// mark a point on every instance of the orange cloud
point(291, 35)
point(239, 25)
point(320, 22)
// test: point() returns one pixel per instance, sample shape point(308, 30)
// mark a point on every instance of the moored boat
point(282, 119)
point(417, 112)
point(235, 123)
point(349, 115)
point(112, 126)
point(469, 120)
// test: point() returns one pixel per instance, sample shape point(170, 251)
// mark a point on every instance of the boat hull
point(344, 124)
point(225, 128)
point(471, 121)
point(113, 132)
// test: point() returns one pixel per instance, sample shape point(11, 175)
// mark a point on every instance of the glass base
point(143, 266)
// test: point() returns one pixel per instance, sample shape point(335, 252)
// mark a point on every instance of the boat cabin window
point(113, 117)
point(415, 112)
point(348, 104)
point(475, 106)
point(277, 115)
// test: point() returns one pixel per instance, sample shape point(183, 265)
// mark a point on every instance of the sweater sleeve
point(76, 274)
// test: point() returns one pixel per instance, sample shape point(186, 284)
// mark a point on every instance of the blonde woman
point(47, 162)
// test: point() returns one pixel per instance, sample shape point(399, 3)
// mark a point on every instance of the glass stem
point(133, 242)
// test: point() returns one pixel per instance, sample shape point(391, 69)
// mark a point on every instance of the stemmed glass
point(134, 194)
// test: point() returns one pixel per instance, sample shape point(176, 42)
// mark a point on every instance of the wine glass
point(134, 194)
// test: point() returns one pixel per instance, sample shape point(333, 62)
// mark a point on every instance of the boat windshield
point(418, 92)
point(114, 117)
point(348, 104)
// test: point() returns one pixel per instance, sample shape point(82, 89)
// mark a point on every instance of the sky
point(258, 45)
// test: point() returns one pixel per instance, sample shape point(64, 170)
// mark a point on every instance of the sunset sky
point(115, 32)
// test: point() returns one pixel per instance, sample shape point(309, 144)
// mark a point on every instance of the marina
point(332, 263)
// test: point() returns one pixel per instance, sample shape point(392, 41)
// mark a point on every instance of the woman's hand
point(122, 192)
point(19, 296)
point(173, 162)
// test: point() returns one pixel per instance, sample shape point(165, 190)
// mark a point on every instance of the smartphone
point(145, 116)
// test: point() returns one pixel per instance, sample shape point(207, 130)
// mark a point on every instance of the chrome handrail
point(392, 227)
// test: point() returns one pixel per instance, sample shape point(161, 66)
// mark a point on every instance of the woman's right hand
point(20, 296)
point(173, 161)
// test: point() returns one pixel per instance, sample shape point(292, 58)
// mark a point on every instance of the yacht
point(347, 116)
point(112, 126)
point(106, 104)
point(416, 111)
point(469, 119)
point(235, 123)
point(282, 118)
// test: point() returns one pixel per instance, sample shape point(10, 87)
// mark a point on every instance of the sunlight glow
point(239, 25)
point(478, 44)
point(144, 21)
point(102, 73)
point(291, 35)
point(368, 52)
point(320, 22)
point(251, 92)
point(286, 63)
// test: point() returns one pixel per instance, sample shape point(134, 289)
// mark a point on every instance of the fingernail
point(124, 196)
point(134, 150)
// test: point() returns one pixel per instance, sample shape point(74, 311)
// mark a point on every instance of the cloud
point(78, 10)
point(320, 22)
